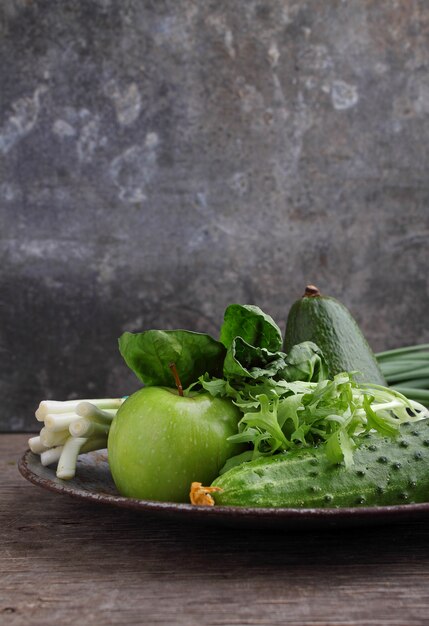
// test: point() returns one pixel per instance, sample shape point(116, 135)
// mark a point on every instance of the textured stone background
point(161, 159)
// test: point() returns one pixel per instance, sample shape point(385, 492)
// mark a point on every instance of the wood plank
point(63, 562)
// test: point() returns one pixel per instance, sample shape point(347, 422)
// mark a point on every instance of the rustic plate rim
point(232, 512)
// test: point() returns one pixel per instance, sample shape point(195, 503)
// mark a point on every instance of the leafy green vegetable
point(282, 415)
point(286, 400)
point(149, 354)
point(305, 362)
point(253, 326)
point(339, 446)
point(245, 360)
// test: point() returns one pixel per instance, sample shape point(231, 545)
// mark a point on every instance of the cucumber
point(386, 471)
point(330, 325)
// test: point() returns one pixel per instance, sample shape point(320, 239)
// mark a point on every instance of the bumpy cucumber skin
point(330, 325)
point(386, 471)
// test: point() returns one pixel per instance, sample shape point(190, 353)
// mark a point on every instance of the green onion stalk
point(71, 428)
point(407, 370)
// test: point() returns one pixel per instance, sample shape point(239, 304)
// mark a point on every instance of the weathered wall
point(161, 159)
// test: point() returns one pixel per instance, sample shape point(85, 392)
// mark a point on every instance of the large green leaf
point(244, 360)
point(251, 324)
point(150, 353)
point(305, 362)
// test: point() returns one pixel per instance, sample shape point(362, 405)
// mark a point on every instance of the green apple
point(160, 442)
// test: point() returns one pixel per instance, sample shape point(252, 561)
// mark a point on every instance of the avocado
point(330, 325)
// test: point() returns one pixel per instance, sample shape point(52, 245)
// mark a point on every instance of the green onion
point(415, 383)
point(419, 395)
point(50, 439)
point(56, 422)
point(400, 366)
point(71, 428)
point(388, 354)
point(85, 427)
point(407, 370)
point(36, 446)
point(50, 456)
point(74, 446)
point(90, 411)
point(67, 462)
point(54, 406)
point(399, 375)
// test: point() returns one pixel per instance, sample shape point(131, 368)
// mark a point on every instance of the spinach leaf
point(245, 360)
point(149, 354)
point(305, 362)
point(251, 324)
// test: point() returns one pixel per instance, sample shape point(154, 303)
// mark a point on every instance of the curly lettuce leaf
point(333, 413)
point(339, 447)
point(262, 421)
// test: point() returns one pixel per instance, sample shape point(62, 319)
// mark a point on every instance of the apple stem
point(175, 373)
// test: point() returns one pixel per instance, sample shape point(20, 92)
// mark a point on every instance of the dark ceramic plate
point(93, 483)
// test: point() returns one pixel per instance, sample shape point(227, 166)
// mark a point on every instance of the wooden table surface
point(63, 561)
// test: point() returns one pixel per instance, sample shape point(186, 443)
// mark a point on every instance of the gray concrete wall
point(161, 159)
